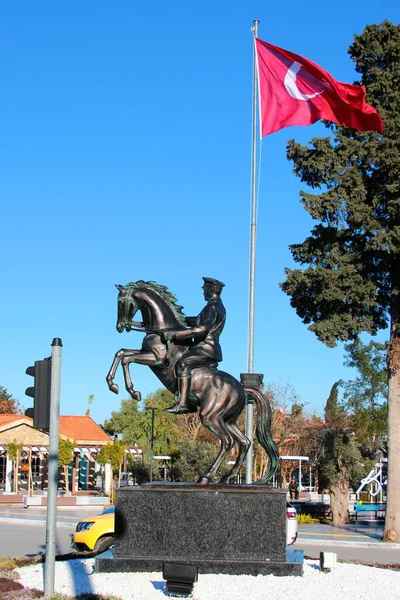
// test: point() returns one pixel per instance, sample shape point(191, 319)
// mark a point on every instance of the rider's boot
point(181, 406)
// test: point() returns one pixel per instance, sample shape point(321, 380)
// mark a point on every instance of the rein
point(138, 326)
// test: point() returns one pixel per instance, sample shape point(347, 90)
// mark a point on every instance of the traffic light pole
point(51, 521)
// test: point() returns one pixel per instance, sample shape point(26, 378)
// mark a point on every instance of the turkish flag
point(295, 91)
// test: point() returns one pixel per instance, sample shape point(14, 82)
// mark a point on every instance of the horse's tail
point(263, 432)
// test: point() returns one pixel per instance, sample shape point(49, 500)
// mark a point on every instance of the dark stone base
point(293, 565)
point(235, 529)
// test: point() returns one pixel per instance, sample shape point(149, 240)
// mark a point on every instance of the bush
point(8, 585)
point(8, 574)
point(7, 563)
point(190, 459)
point(86, 596)
point(25, 561)
point(306, 519)
point(25, 594)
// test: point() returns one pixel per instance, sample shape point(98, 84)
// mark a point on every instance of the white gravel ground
point(345, 582)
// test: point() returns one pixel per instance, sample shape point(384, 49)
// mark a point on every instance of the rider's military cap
point(214, 283)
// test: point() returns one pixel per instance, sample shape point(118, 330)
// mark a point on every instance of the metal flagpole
point(253, 232)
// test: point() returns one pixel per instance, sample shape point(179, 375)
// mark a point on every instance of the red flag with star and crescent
point(295, 91)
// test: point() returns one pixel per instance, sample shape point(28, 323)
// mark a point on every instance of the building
point(89, 438)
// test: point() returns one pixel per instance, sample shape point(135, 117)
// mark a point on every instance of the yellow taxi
point(95, 534)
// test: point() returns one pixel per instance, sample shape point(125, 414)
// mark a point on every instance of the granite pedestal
point(235, 529)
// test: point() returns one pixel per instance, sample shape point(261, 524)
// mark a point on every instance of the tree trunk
point(392, 521)
point(16, 473)
point(67, 492)
point(339, 493)
point(30, 478)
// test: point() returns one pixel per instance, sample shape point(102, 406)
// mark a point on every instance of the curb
point(37, 522)
point(325, 542)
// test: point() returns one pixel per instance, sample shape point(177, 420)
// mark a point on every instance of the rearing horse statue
point(219, 397)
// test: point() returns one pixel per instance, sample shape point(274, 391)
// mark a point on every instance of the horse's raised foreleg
point(243, 444)
point(113, 369)
point(216, 424)
point(140, 358)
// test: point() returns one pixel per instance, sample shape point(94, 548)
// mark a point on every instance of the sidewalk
point(349, 535)
point(80, 498)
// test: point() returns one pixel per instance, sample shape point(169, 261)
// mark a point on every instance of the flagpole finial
point(254, 29)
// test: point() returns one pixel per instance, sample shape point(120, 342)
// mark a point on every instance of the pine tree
point(366, 396)
point(350, 276)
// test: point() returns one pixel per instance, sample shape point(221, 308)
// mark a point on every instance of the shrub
point(7, 585)
point(304, 519)
point(25, 561)
point(7, 563)
point(4, 573)
point(24, 594)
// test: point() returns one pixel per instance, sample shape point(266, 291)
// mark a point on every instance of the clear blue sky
point(125, 155)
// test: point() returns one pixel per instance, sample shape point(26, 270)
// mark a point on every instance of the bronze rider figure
point(205, 351)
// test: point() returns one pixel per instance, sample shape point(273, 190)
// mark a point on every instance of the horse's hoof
point(136, 396)
point(202, 481)
point(114, 388)
point(177, 409)
point(225, 480)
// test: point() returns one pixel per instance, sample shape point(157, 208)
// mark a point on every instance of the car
point(291, 525)
point(96, 534)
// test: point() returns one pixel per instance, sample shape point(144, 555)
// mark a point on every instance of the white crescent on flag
point(291, 85)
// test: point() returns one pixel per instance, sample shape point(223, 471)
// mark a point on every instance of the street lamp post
point(152, 408)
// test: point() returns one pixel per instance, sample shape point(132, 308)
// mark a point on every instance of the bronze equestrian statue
point(184, 352)
point(206, 350)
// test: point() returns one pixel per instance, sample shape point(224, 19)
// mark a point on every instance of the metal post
point(152, 440)
point(300, 475)
point(51, 521)
point(152, 444)
point(253, 234)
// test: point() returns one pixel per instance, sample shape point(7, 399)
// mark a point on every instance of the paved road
point(65, 514)
point(22, 533)
point(29, 539)
point(23, 530)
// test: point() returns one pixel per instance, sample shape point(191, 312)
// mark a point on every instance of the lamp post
point(152, 408)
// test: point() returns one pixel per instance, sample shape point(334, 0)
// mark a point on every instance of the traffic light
point(40, 393)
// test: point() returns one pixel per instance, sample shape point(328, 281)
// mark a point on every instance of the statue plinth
point(233, 529)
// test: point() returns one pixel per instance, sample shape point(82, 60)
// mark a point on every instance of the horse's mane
point(164, 292)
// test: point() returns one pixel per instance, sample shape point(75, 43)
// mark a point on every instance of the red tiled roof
point(6, 419)
point(82, 429)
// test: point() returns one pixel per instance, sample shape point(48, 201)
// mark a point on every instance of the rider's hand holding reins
point(167, 335)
